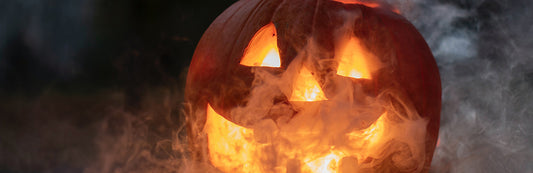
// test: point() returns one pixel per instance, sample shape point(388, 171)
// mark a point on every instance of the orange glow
point(306, 88)
point(228, 144)
point(325, 164)
point(368, 4)
point(263, 49)
point(233, 148)
point(352, 60)
point(371, 134)
point(372, 138)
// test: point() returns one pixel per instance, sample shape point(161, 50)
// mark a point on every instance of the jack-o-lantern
point(313, 86)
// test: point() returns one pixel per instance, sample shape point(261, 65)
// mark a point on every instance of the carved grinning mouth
point(337, 101)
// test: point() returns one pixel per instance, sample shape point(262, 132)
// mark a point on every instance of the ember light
point(313, 86)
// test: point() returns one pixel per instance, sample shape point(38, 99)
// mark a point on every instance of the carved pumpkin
point(313, 86)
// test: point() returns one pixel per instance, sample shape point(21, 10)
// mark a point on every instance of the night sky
point(97, 86)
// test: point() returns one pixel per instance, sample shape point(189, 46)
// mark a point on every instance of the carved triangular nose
point(306, 88)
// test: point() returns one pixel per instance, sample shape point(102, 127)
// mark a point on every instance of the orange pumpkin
point(313, 86)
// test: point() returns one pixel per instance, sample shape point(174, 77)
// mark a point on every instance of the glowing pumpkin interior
point(334, 100)
point(234, 148)
point(263, 49)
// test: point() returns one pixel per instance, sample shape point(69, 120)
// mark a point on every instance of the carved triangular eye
point(262, 51)
point(354, 60)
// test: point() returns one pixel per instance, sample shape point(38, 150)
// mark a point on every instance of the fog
point(482, 49)
point(89, 86)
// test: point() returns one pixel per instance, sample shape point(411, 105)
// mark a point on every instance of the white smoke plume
point(482, 48)
point(339, 127)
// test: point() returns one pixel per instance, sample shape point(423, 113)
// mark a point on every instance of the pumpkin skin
point(215, 76)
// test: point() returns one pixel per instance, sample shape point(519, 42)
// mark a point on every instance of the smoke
point(79, 93)
point(311, 117)
point(49, 34)
point(308, 131)
point(482, 49)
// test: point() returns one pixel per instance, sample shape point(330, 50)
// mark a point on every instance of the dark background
point(89, 85)
point(97, 86)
